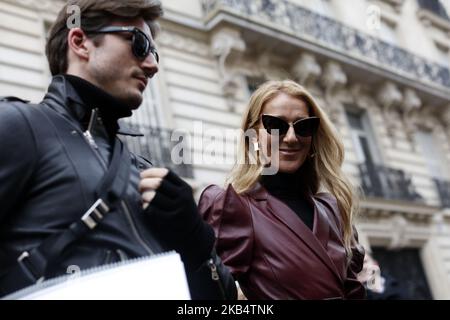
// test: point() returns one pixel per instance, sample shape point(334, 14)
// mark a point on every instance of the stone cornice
point(387, 208)
point(310, 31)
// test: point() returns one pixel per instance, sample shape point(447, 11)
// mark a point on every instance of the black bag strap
point(32, 265)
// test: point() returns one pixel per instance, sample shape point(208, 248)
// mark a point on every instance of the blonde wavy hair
point(323, 171)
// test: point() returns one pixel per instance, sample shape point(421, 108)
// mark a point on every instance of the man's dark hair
point(96, 14)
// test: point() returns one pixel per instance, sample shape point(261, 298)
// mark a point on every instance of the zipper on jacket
point(90, 139)
point(215, 276)
point(134, 228)
point(124, 206)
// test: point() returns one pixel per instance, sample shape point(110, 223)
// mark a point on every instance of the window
point(363, 138)
point(150, 112)
point(377, 180)
point(156, 145)
point(431, 153)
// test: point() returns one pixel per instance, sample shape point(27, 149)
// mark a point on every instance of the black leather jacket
point(43, 190)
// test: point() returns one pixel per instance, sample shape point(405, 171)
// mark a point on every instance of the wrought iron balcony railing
point(443, 188)
point(436, 7)
point(156, 146)
point(388, 183)
point(310, 26)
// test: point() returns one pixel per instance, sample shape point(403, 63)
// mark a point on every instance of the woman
point(280, 237)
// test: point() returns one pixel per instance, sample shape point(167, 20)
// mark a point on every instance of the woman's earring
point(313, 154)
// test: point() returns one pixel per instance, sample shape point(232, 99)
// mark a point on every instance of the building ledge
point(395, 4)
point(378, 207)
point(431, 19)
point(292, 23)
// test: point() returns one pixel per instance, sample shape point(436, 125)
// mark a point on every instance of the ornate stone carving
point(224, 43)
point(389, 97)
point(306, 69)
point(410, 107)
point(361, 97)
point(182, 43)
point(399, 226)
point(411, 102)
point(333, 79)
point(269, 70)
point(307, 25)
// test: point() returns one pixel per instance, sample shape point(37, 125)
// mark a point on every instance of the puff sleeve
point(230, 217)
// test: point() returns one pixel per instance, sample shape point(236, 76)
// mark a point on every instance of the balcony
point(387, 183)
point(443, 188)
point(156, 146)
point(286, 20)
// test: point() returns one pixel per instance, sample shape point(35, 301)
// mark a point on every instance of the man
point(70, 192)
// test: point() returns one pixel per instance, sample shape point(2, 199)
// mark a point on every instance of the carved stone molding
point(333, 79)
point(361, 97)
point(399, 226)
point(294, 19)
point(306, 70)
point(424, 120)
point(409, 108)
point(400, 229)
point(226, 42)
point(439, 223)
point(390, 98)
point(182, 43)
point(268, 69)
point(411, 102)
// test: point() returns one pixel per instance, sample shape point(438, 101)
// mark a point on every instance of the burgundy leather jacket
point(273, 254)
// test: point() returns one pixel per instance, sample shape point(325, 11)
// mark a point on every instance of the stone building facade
point(380, 68)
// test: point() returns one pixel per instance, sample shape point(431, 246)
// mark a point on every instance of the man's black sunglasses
point(140, 43)
point(303, 127)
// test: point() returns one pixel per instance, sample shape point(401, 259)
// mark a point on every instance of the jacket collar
point(317, 240)
point(75, 97)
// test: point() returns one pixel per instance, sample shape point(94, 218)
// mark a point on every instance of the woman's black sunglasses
point(140, 43)
point(304, 127)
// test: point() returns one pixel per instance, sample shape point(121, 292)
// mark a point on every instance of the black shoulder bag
point(32, 265)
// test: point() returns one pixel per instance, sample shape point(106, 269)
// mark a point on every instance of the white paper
point(159, 277)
